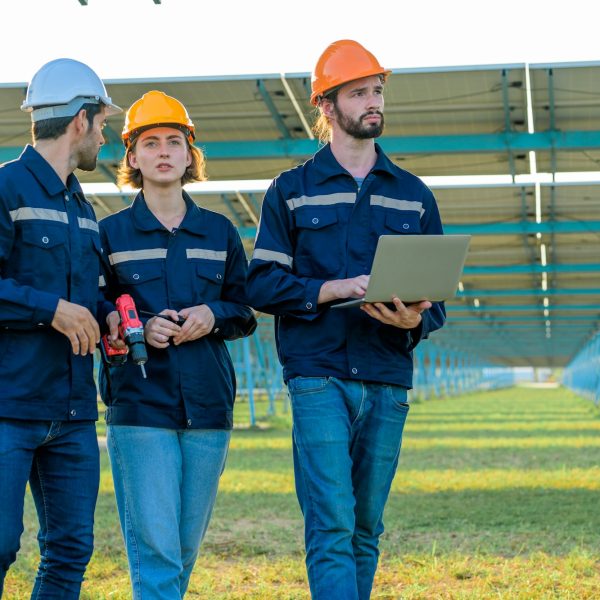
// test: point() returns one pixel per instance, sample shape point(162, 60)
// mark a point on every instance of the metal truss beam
point(500, 142)
point(524, 227)
point(496, 308)
point(300, 148)
point(262, 90)
point(500, 319)
point(530, 292)
point(520, 269)
point(517, 228)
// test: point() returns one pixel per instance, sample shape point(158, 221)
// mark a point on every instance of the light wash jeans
point(61, 462)
point(346, 443)
point(166, 484)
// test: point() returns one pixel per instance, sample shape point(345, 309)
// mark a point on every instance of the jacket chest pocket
point(42, 259)
point(406, 221)
point(207, 280)
point(144, 281)
point(319, 246)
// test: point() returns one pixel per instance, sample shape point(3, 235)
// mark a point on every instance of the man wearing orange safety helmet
point(347, 370)
point(168, 434)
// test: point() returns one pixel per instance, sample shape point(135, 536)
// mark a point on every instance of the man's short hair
point(52, 129)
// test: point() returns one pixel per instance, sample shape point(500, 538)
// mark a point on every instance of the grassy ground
point(496, 497)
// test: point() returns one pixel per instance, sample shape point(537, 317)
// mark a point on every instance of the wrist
point(327, 292)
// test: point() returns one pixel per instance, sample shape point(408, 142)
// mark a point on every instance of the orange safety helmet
point(156, 109)
point(341, 62)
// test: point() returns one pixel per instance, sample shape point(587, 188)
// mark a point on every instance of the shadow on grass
point(506, 522)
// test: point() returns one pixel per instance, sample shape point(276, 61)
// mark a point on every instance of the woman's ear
point(132, 160)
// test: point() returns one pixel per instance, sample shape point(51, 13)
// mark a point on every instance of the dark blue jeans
point(346, 443)
point(61, 462)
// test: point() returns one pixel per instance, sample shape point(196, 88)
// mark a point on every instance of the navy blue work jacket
point(316, 226)
point(201, 262)
point(49, 249)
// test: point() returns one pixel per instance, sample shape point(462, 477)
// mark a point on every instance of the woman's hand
point(199, 321)
point(158, 331)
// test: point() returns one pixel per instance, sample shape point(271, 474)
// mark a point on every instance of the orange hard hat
point(156, 109)
point(343, 61)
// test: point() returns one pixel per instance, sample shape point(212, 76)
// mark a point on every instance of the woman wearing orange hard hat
point(168, 434)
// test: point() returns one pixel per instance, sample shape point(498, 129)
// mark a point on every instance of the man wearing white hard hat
point(49, 314)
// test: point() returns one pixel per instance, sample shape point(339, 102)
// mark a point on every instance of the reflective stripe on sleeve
point(101, 281)
point(270, 255)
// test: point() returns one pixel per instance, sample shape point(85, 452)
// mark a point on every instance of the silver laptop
point(415, 268)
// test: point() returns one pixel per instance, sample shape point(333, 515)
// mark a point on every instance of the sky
point(123, 39)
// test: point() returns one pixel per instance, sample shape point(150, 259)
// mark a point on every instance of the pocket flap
point(137, 272)
point(407, 221)
point(43, 237)
point(213, 270)
point(316, 219)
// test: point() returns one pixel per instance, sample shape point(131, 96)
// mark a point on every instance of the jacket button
point(73, 412)
point(136, 276)
point(45, 239)
point(189, 422)
point(315, 221)
point(309, 305)
point(405, 226)
point(219, 276)
point(354, 370)
point(216, 330)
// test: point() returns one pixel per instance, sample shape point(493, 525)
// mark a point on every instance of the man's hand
point(112, 320)
point(159, 331)
point(340, 289)
point(78, 324)
point(404, 317)
point(199, 321)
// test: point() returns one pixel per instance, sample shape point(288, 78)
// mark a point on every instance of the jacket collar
point(46, 176)
point(193, 221)
point(327, 166)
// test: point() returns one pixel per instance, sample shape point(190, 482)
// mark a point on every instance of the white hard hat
point(61, 87)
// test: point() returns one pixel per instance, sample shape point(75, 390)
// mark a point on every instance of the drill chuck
point(134, 338)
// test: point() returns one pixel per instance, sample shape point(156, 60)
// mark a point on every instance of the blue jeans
point(61, 462)
point(166, 484)
point(346, 443)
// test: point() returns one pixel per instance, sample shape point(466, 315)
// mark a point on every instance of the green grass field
point(497, 496)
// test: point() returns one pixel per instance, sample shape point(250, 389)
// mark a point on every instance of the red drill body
point(131, 331)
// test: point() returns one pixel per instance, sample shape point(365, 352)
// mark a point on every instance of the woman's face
point(161, 154)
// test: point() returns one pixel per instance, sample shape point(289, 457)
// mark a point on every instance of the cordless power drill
point(131, 331)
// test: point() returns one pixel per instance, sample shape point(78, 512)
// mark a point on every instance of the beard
point(356, 128)
point(87, 162)
point(88, 155)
